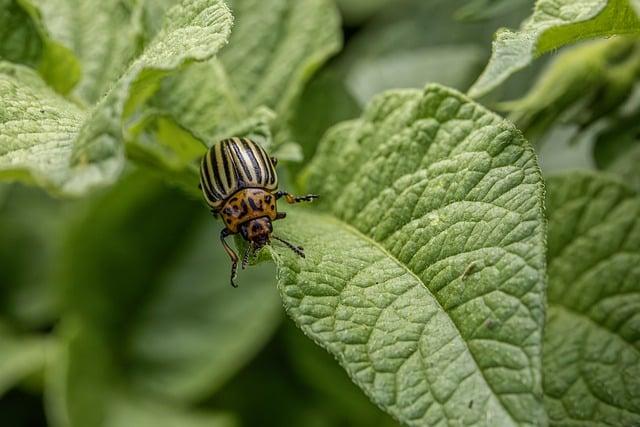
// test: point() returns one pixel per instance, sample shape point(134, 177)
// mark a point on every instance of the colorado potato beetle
point(239, 182)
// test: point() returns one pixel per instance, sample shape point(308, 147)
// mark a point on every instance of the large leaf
point(104, 34)
point(592, 336)
point(24, 40)
point(275, 47)
point(424, 273)
point(554, 23)
point(48, 140)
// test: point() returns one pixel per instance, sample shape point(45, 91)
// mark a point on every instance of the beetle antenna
point(245, 258)
point(297, 249)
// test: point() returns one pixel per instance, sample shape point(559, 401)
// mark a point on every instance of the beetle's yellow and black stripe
point(233, 164)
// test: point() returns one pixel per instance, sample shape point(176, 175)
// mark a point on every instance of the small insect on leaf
point(239, 182)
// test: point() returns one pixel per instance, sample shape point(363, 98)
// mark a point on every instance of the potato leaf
point(592, 337)
point(554, 23)
point(425, 265)
point(24, 40)
point(50, 141)
point(275, 47)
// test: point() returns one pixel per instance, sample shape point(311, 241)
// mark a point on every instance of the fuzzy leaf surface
point(425, 263)
point(48, 140)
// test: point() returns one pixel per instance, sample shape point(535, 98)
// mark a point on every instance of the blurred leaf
point(31, 226)
point(412, 43)
point(50, 141)
point(24, 40)
point(83, 389)
point(486, 9)
point(152, 15)
point(104, 34)
point(148, 302)
point(448, 65)
point(20, 357)
point(194, 332)
point(354, 12)
point(563, 149)
point(617, 150)
point(324, 102)
point(581, 86)
point(554, 23)
point(129, 411)
point(274, 49)
point(400, 287)
point(591, 349)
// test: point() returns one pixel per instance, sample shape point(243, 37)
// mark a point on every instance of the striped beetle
point(239, 183)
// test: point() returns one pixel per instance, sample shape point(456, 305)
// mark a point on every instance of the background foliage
point(464, 267)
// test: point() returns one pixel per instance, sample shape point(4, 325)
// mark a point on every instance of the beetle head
point(257, 231)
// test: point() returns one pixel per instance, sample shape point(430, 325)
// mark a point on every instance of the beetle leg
point(234, 258)
point(274, 160)
point(281, 215)
point(290, 198)
point(297, 249)
point(245, 258)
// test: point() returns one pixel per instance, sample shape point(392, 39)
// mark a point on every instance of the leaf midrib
point(353, 230)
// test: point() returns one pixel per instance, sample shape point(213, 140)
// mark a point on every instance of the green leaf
point(274, 49)
point(477, 10)
point(325, 101)
point(129, 411)
point(592, 336)
point(581, 86)
point(424, 270)
point(451, 65)
point(412, 43)
point(50, 141)
point(195, 332)
point(152, 304)
point(318, 369)
point(20, 356)
point(617, 150)
point(31, 226)
point(24, 40)
point(554, 23)
point(354, 12)
point(105, 35)
point(81, 390)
